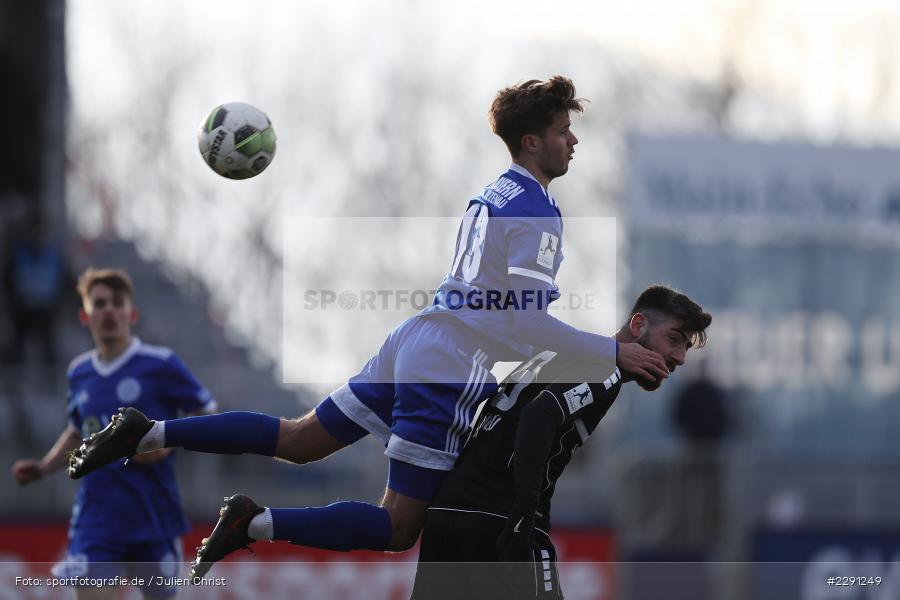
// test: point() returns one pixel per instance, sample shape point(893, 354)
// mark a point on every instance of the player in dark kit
point(494, 507)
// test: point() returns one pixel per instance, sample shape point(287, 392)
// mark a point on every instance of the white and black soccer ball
point(237, 140)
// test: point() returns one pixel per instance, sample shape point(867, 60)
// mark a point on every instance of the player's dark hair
point(660, 300)
point(529, 108)
point(115, 279)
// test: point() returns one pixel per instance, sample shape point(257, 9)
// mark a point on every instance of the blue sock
point(225, 433)
point(342, 526)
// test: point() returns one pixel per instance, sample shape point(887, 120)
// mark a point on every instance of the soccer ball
point(237, 140)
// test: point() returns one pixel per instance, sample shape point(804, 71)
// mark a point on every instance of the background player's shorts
point(418, 394)
point(156, 562)
point(457, 559)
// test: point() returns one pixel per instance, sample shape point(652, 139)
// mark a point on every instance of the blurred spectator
point(701, 414)
point(37, 282)
point(703, 419)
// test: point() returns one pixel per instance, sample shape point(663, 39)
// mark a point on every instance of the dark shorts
point(457, 559)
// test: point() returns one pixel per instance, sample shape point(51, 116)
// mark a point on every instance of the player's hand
point(154, 456)
point(27, 470)
point(637, 360)
point(515, 541)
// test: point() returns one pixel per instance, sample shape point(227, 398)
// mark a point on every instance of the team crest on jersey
point(579, 397)
point(128, 390)
point(547, 251)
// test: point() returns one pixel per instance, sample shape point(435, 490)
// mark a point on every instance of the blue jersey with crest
point(513, 227)
point(131, 502)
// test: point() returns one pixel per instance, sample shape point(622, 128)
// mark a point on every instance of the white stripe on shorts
point(464, 424)
point(359, 413)
point(473, 372)
point(419, 455)
point(471, 393)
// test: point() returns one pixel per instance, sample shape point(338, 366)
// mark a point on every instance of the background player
point(495, 505)
point(419, 392)
point(121, 513)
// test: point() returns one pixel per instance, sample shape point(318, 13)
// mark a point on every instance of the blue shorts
point(156, 562)
point(418, 395)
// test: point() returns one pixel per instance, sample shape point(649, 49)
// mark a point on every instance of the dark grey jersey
point(483, 478)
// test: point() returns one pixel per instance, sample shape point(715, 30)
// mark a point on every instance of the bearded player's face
point(669, 339)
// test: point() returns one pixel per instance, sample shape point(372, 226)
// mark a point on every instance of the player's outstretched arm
point(535, 326)
point(29, 469)
point(534, 437)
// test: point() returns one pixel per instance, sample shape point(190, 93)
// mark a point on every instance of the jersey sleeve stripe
point(530, 273)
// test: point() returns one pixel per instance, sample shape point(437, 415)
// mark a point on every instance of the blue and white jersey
point(131, 503)
point(513, 227)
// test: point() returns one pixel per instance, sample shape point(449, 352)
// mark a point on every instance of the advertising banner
point(795, 249)
point(281, 570)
